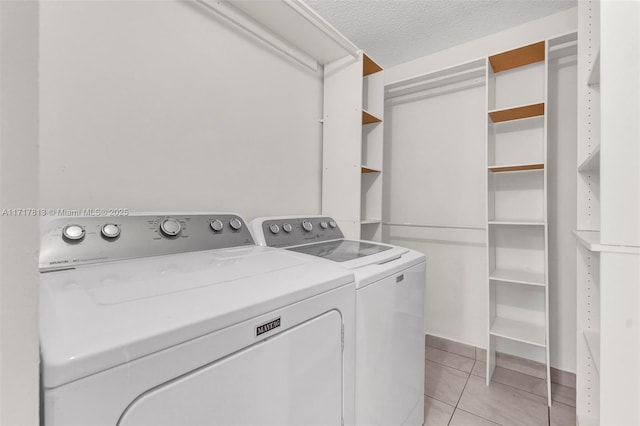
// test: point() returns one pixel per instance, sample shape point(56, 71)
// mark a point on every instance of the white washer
point(182, 320)
point(390, 284)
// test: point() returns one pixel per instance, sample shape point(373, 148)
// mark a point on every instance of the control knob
point(287, 227)
point(307, 226)
point(217, 225)
point(324, 225)
point(274, 228)
point(110, 231)
point(235, 224)
point(73, 233)
point(170, 227)
point(333, 224)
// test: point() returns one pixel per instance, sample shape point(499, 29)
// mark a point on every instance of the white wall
point(160, 105)
point(19, 239)
point(435, 175)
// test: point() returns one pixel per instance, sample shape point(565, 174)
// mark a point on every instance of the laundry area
point(319, 212)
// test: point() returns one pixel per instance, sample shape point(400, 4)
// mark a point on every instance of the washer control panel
point(294, 231)
point(69, 242)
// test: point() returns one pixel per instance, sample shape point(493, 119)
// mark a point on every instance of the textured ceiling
point(396, 31)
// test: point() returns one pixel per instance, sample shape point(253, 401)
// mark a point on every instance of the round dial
point(307, 226)
point(217, 225)
point(73, 232)
point(110, 230)
point(332, 224)
point(170, 227)
point(235, 224)
point(287, 227)
point(324, 225)
point(274, 228)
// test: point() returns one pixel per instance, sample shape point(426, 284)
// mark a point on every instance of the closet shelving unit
point(517, 231)
point(353, 146)
point(608, 215)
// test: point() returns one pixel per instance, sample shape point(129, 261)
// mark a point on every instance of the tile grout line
point(461, 393)
point(448, 366)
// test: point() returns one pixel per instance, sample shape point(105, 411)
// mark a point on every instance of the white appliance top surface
point(99, 316)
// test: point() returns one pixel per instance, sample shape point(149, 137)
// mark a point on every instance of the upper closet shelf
point(517, 113)
point(518, 57)
point(591, 163)
point(366, 169)
point(368, 118)
point(517, 168)
point(594, 75)
point(468, 74)
point(289, 26)
point(369, 66)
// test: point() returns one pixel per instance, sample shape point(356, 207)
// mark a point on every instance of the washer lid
point(99, 316)
point(352, 254)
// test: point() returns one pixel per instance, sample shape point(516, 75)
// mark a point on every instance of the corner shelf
point(369, 66)
point(516, 168)
point(517, 113)
point(519, 57)
point(368, 118)
point(593, 344)
point(519, 331)
point(365, 169)
point(519, 277)
point(592, 163)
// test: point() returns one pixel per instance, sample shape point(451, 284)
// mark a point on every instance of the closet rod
point(416, 225)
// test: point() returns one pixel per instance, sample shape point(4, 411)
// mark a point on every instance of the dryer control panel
point(286, 232)
point(72, 241)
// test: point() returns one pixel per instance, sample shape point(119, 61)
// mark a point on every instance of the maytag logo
point(267, 326)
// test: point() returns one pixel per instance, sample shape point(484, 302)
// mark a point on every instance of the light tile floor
point(456, 395)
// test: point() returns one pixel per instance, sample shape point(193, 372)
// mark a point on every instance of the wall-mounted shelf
point(518, 57)
point(517, 113)
point(515, 223)
point(368, 118)
point(365, 169)
point(519, 331)
point(594, 75)
point(593, 344)
point(370, 221)
point(369, 66)
point(591, 241)
point(279, 23)
point(519, 277)
point(592, 163)
point(516, 168)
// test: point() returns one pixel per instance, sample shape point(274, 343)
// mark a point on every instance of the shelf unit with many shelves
point(517, 233)
point(353, 147)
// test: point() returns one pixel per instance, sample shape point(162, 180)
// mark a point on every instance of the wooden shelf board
point(592, 163)
point(519, 57)
point(517, 168)
point(368, 118)
point(519, 331)
point(517, 113)
point(366, 169)
point(593, 344)
point(516, 223)
point(369, 66)
point(370, 221)
point(520, 277)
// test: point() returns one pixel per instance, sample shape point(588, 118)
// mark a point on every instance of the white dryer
point(182, 320)
point(390, 283)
